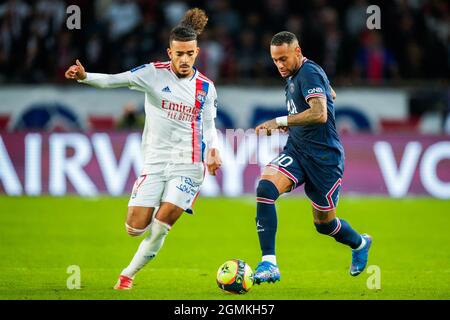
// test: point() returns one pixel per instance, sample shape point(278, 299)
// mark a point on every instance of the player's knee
point(267, 190)
point(326, 228)
point(134, 232)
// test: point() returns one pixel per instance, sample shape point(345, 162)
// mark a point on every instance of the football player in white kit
point(180, 107)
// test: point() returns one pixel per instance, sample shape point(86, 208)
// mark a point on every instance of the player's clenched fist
point(213, 161)
point(76, 71)
point(269, 126)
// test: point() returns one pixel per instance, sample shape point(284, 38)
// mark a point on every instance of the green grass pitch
point(41, 237)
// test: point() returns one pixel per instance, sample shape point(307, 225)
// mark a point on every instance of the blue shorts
point(322, 182)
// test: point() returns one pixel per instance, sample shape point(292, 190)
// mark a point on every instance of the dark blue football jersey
point(319, 141)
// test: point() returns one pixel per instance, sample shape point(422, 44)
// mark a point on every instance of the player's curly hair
point(192, 25)
point(283, 37)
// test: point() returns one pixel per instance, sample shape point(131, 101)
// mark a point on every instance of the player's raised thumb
point(79, 63)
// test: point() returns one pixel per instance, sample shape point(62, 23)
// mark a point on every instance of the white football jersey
point(174, 110)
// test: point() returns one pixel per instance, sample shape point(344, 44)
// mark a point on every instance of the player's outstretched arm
point(274, 124)
point(317, 114)
point(99, 80)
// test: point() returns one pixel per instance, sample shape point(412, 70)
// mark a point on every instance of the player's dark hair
point(283, 37)
point(192, 25)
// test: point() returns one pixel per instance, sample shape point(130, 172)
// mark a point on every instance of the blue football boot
point(360, 257)
point(266, 272)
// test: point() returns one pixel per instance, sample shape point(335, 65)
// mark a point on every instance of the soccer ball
point(235, 276)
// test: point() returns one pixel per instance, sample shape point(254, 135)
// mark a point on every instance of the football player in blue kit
point(313, 156)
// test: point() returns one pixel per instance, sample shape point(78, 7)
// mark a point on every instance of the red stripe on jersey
point(315, 95)
point(204, 79)
point(158, 62)
point(196, 147)
point(193, 140)
point(162, 65)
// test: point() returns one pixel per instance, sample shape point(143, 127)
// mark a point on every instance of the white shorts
point(178, 184)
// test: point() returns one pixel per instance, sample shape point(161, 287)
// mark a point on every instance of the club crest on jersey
point(292, 88)
point(201, 96)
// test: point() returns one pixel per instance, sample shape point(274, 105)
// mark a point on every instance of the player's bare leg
point(138, 220)
point(165, 218)
point(169, 213)
point(272, 184)
point(281, 182)
point(327, 223)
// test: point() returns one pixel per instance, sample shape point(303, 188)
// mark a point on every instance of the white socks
point(271, 258)
point(148, 248)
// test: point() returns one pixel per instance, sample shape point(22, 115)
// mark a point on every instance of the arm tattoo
point(316, 114)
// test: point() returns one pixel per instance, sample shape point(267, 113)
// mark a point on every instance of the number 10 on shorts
point(283, 160)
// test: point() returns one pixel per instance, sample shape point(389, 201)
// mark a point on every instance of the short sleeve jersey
point(320, 141)
point(175, 109)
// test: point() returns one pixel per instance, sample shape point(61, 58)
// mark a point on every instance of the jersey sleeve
point(209, 114)
point(312, 83)
point(106, 81)
point(142, 78)
point(210, 109)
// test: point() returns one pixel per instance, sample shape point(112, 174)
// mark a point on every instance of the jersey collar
point(304, 59)
point(195, 73)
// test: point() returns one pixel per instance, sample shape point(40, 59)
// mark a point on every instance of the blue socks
point(341, 231)
point(266, 216)
point(266, 222)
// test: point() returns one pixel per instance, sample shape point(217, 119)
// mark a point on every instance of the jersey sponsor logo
point(137, 68)
point(179, 107)
point(166, 89)
point(315, 90)
point(180, 111)
point(201, 96)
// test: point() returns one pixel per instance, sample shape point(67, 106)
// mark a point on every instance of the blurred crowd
point(116, 35)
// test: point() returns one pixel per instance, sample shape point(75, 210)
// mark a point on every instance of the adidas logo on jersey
point(166, 89)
